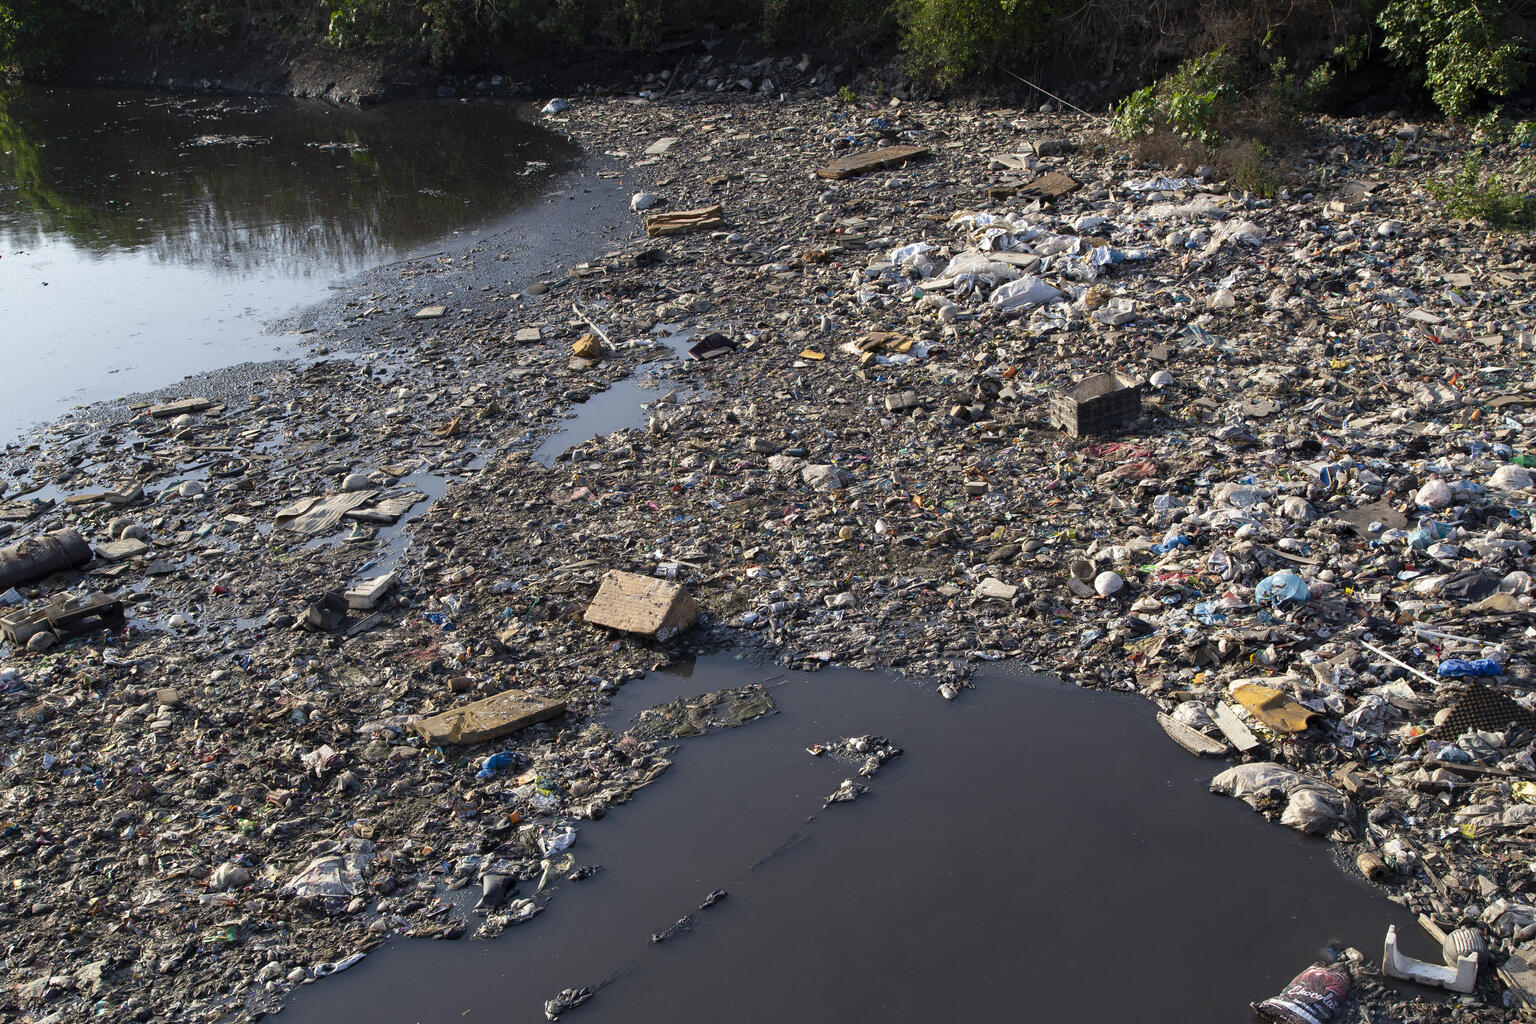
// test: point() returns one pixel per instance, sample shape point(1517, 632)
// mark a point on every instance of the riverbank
point(869, 478)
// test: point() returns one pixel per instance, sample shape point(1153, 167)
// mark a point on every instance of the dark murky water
point(1039, 852)
point(144, 237)
point(621, 406)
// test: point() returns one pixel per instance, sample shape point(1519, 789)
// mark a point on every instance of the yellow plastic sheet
point(1274, 708)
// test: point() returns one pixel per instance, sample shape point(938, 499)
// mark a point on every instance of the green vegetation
point(1204, 112)
point(950, 41)
point(1459, 49)
point(31, 31)
point(1190, 102)
point(1463, 53)
point(1505, 203)
point(1205, 101)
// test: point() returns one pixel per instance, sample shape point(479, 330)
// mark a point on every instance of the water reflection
point(144, 236)
point(238, 185)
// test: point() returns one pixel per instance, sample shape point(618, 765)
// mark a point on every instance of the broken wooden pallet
point(871, 160)
point(678, 222)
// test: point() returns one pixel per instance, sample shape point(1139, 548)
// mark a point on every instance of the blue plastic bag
point(495, 763)
point(1478, 667)
point(1281, 588)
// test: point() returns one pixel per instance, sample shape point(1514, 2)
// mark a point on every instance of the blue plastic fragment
point(1477, 667)
point(1281, 588)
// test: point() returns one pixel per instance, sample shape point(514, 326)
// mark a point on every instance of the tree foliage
point(1459, 49)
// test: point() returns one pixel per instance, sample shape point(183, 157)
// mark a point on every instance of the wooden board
point(1192, 740)
point(680, 221)
point(1050, 186)
point(1519, 975)
point(1233, 729)
point(488, 719)
point(185, 405)
point(870, 160)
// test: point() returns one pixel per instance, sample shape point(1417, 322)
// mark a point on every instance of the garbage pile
point(1297, 516)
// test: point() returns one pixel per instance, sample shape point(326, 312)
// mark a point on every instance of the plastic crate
point(1099, 404)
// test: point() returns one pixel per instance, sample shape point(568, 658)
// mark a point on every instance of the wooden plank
point(871, 160)
point(488, 719)
point(1050, 186)
point(1519, 976)
point(1233, 728)
point(177, 408)
point(679, 221)
point(1192, 740)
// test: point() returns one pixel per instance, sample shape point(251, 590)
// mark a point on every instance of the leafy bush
point(1203, 113)
point(1500, 201)
point(1203, 101)
point(948, 41)
point(1191, 102)
point(364, 23)
point(1458, 48)
point(34, 32)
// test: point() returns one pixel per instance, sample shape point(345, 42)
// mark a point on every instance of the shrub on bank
point(1460, 52)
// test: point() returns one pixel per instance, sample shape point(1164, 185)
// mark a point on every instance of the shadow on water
point(1039, 851)
point(145, 236)
point(237, 185)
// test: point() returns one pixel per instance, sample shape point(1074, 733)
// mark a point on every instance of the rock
point(640, 604)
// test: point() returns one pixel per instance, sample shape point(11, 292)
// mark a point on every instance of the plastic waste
point(1310, 806)
point(498, 761)
point(1479, 667)
point(1208, 613)
point(1282, 588)
point(1427, 533)
point(1511, 478)
point(558, 841)
point(1108, 584)
point(1026, 291)
point(1434, 495)
point(325, 970)
point(1314, 996)
point(565, 999)
point(494, 889)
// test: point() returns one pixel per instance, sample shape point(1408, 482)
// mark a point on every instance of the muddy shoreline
point(165, 784)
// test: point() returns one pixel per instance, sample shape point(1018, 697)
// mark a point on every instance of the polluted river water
point(1037, 850)
point(147, 236)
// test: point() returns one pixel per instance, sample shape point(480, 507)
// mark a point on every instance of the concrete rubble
point(355, 673)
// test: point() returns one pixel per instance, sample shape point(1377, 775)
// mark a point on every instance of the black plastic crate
point(1100, 404)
